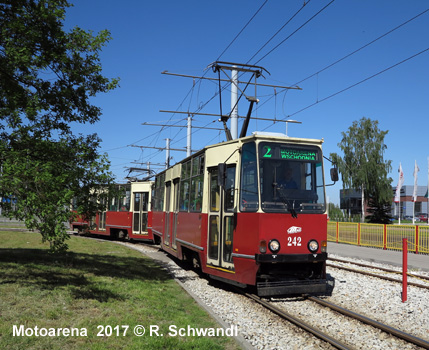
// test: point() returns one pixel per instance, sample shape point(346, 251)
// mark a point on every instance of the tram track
point(336, 339)
point(300, 323)
point(383, 327)
point(367, 273)
point(348, 313)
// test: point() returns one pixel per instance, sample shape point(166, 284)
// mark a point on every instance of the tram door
point(221, 219)
point(167, 213)
point(175, 212)
point(140, 210)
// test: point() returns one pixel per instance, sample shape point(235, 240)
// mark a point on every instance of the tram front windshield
point(290, 178)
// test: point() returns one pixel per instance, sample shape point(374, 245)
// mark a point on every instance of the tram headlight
point(274, 245)
point(313, 246)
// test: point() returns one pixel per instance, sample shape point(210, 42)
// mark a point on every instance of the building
point(351, 201)
point(405, 207)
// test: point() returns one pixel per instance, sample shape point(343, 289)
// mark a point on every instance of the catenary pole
point(188, 136)
point(167, 153)
point(234, 104)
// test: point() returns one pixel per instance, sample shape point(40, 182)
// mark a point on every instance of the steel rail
point(396, 332)
point(296, 321)
point(375, 275)
point(377, 267)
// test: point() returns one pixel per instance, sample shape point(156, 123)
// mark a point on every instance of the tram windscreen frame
point(291, 178)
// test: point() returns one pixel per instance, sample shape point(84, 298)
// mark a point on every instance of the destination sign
point(297, 154)
point(286, 152)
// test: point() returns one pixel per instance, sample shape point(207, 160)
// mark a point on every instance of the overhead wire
point(157, 135)
point(242, 29)
point(362, 47)
point(283, 41)
point(360, 82)
point(229, 45)
point(295, 31)
point(353, 85)
point(325, 68)
point(305, 23)
point(226, 85)
point(349, 55)
point(279, 30)
point(201, 107)
point(223, 52)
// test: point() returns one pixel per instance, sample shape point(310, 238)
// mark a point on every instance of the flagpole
point(399, 208)
point(398, 191)
point(414, 198)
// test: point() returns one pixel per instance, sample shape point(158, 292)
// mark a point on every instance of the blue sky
point(184, 37)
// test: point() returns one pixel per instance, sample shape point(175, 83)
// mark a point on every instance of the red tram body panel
point(250, 212)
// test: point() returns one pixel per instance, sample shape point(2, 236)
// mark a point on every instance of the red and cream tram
point(250, 211)
point(127, 216)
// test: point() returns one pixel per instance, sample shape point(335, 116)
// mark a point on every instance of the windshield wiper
point(285, 200)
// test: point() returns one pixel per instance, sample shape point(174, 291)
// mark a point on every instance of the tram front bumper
point(291, 258)
point(271, 289)
point(286, 274)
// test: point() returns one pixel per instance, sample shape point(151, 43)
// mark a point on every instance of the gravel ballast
point(369, 296)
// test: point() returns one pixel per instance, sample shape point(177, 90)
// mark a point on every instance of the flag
point(400, 183)
point(416, 170)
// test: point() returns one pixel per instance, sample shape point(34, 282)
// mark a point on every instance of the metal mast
point(234, 103)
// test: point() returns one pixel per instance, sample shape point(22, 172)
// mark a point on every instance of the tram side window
point(184, 195)
point(197, 183)
point(114, 204)
point(249, 179)
point(145, 199)
point(123, 201)
point(185, 186)
point(114, 200)
point(214, 191)
point(137, 201)
point(197, 193)
point(158, 198)
point(318, 183)
point(191, 185)
point(230, 188)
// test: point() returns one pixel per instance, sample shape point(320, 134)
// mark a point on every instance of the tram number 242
point(294, 241)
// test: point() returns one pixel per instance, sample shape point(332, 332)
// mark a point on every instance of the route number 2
point(294, 241)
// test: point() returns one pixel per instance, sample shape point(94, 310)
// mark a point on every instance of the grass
point(94, 283)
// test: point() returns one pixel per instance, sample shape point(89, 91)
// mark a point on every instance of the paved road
point(415, 261)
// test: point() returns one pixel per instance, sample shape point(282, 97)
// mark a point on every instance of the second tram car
point(127, 215)
point(250, 211)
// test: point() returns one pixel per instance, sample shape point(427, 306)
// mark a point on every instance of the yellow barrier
point(332, 231)
point(395, 234)
point(424, 239)
point(348, 233)
point(380, 236)
point(372, 235)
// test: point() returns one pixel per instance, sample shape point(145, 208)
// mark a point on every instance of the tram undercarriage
point(291, 274)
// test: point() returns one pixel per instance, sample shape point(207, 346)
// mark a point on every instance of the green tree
point(47, 78)
point(363, 166)
point(335, 213)
point(379, 213)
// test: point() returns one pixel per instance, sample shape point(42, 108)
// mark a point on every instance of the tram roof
point(267, 136)
point(257, 135)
